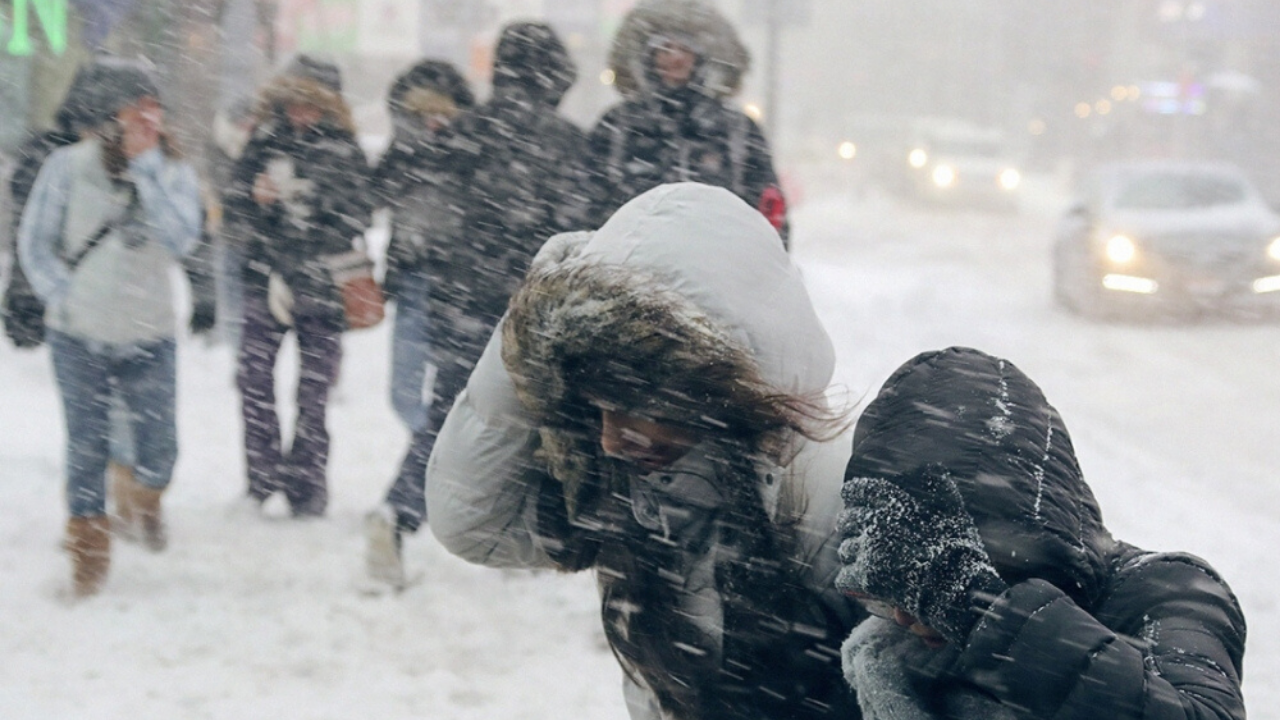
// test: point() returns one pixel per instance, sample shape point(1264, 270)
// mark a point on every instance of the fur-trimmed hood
point(1011, 457)
point(299, 84)
point(433, 76)
point(531, 58)
point(680, 301)
point(702, 248)
point(723, 59)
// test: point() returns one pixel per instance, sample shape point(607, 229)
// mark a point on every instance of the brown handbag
point(362, 298)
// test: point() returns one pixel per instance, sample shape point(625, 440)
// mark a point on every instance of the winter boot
point(89, 544)
point(146, 506)
point(124, 521)
point(382, 558)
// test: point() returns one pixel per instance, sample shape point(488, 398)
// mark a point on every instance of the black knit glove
point(204, 316)
point(909, 541)
point(23, 316)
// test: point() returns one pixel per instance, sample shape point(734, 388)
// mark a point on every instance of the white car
point(958, 163)
point(1168, 237)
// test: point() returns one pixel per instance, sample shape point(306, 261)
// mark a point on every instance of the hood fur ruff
point(286, 89)
point(682, 299)
point(724, 59)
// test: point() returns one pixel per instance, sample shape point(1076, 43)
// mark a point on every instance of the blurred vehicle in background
point(1176, 238)
point(958, 163)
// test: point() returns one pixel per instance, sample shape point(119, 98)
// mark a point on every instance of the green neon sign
point(53, 19)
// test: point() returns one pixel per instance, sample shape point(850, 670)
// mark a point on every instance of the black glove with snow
point(204, 315)
point(23, 315)
point(908, 541)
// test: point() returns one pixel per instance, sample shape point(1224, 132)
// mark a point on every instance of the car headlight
point(944, 176)
point(1010, 179)
point(847, 150)
point(1273, 250)
point(1121, 249)
point(917, 158)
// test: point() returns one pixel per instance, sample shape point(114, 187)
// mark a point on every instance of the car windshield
point(1172, 191)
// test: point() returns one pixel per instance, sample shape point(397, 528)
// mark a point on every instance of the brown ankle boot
point(124, 521)
point(89, 544)
point(146, 508)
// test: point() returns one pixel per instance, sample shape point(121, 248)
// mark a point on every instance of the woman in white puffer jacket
point(653, 408)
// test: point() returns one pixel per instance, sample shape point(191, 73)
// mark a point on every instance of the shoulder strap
point(105, 229)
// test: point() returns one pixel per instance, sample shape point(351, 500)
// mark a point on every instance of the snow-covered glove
point(204, 315)
point(23, 314)
point(280, 299)
point(908, 541)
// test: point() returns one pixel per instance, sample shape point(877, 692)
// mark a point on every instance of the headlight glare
point(1121, 249)
point(1010, 179)
point(1273, 250)
point(944, 176)
point(918, 157)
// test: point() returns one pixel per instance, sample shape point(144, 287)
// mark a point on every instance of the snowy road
point(1177, 429)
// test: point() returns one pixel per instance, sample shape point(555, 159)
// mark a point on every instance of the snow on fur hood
point(1010, 455)
point(698, 25)
point(685, 294)
point(704, 247)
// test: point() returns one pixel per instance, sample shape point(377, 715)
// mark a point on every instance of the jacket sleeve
point(170, 197)
point(482, 497)
point(41, 227)
point(1170, 648)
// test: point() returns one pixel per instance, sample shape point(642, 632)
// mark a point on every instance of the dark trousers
point(456, 344)
point(300, 472)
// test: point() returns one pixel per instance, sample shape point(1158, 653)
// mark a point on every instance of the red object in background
point(773, 206)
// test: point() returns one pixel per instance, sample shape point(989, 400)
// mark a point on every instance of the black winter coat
point(675, 136)
point(520, 163)
point(323, 220)
point(1090, 627)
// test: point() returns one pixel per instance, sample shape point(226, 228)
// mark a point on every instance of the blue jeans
point(411, 355)
point(144, 378)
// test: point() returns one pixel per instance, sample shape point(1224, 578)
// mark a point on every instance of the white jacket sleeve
point(480, 493)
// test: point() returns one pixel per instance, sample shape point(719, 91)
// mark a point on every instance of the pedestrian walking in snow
point(425, 201)
point(676, 64)
point(301, 186)
point(998, 592)
point(107, 220)
point(508, 169)
point(652, 407)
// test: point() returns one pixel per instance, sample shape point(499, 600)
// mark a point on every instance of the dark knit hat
point(312, 68)
point(102, 88)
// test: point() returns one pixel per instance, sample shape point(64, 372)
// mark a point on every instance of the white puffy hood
point(711, 247)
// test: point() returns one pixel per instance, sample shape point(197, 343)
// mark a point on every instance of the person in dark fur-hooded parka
point(677, 64)
point(652, 408)
point(518, 162)
point(970, 532)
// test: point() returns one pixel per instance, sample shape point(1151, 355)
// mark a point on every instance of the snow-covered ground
point(247, 617)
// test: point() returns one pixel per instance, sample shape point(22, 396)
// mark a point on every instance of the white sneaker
point(382, 559)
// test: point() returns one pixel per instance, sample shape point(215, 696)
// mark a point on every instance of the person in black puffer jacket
point(969, 529)
point(517, 163)
point(301, 185)
point(676, 64)
point(426, 203)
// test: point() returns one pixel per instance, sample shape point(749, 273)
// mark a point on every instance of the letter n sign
point(53, 18)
